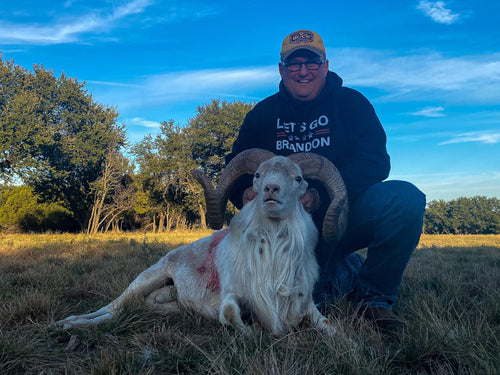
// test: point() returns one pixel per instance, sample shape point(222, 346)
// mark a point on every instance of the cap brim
point(317, 51)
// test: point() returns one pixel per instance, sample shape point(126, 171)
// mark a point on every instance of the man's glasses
point(296, 66)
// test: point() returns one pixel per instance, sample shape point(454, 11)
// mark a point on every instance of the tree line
point(476, 215)
point(63, 164)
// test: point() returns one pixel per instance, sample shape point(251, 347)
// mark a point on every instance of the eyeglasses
point(296, 66)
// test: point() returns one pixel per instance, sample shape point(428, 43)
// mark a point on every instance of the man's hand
point(310, 200)
point(248, 195)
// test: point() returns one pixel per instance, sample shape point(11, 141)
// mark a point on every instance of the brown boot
point(382, 318)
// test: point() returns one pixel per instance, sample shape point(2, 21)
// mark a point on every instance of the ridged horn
point(246, 162)
point(214, 216)
point(317, 167)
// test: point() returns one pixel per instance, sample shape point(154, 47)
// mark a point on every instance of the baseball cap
point(302, 39)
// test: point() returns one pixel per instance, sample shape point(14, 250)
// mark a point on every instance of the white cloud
point(111, 83)
point(68, 3)
point(482, 137)
point(464, 79)
point(438, 12)
point(143, 122)
point(452, 185)
point(199, 86)
point(70, 30)
point(429, 112)
point(210, 79)
point(132, 7)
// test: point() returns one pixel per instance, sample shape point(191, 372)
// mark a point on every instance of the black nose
point(272, 188)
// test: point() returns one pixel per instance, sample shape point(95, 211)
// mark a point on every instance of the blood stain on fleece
point(208, 266)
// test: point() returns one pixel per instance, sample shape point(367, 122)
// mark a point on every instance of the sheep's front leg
point(230, 314)
point(149, 280)
point(320, 321)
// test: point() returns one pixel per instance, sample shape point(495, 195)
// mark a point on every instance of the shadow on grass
point(450, 300)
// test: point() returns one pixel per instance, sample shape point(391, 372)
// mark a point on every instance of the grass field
point(450, 299)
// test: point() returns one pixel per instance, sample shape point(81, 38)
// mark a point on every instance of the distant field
point(459, 240)
point(450, 299)
point(10, 242)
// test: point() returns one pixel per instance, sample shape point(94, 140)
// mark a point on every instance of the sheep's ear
point(317, 167)
point(302, 190)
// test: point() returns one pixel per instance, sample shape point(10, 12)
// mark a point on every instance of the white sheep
point(263, 265)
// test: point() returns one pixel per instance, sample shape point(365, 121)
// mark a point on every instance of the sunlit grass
point(450, 299)
point(459, 240)
point(12, 242)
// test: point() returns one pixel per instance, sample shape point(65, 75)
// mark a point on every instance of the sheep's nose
point(272, 188)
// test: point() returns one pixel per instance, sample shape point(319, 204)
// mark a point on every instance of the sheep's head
point(313, 167)
point(279, 185)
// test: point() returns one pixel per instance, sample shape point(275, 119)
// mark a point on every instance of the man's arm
point(370, 162)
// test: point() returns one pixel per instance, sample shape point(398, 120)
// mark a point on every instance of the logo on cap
point(302, 37)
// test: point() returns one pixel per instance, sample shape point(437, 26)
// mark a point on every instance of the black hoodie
point(340, 124)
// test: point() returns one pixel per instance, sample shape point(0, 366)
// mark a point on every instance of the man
point(313, 112)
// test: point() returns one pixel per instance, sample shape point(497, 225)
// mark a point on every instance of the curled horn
point(245, 162)
point(317, 167)
point(214, 215)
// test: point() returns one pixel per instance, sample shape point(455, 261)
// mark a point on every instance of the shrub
point(20, 211)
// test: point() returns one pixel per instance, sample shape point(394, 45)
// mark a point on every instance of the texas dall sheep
point(263, 265)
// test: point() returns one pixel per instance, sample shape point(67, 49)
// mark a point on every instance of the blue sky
point(430, 68)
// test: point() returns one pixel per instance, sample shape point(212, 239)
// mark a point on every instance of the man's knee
point(406, 199)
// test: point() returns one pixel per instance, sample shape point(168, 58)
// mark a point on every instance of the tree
point(213, 131)
point(165, 162)
point(165, 166)
point(476, 215)
point(436, 218)
point(54, 136)
point(114, 193)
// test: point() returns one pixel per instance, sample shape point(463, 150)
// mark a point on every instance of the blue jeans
point(387, 219)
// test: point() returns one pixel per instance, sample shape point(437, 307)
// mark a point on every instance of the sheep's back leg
point(163, 300)
point(149, 280)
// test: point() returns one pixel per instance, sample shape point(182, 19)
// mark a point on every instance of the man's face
point(304, 84)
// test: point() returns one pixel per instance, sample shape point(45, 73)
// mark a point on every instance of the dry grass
point(450, 298)
point(459, 240)
point(11, 243)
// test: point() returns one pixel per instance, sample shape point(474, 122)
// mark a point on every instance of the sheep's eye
point(298, 178)
point(257, 175)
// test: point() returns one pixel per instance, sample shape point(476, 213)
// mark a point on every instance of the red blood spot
point(208, 266)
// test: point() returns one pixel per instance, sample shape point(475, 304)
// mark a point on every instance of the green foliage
point(20, 210)
point(166, 161)
point(213, 131)
point(476, 215)
point(53, 135)
point(114, 193)
point(164, 167)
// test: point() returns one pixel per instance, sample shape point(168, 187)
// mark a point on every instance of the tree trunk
point(203, 219)
point(161, 223)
